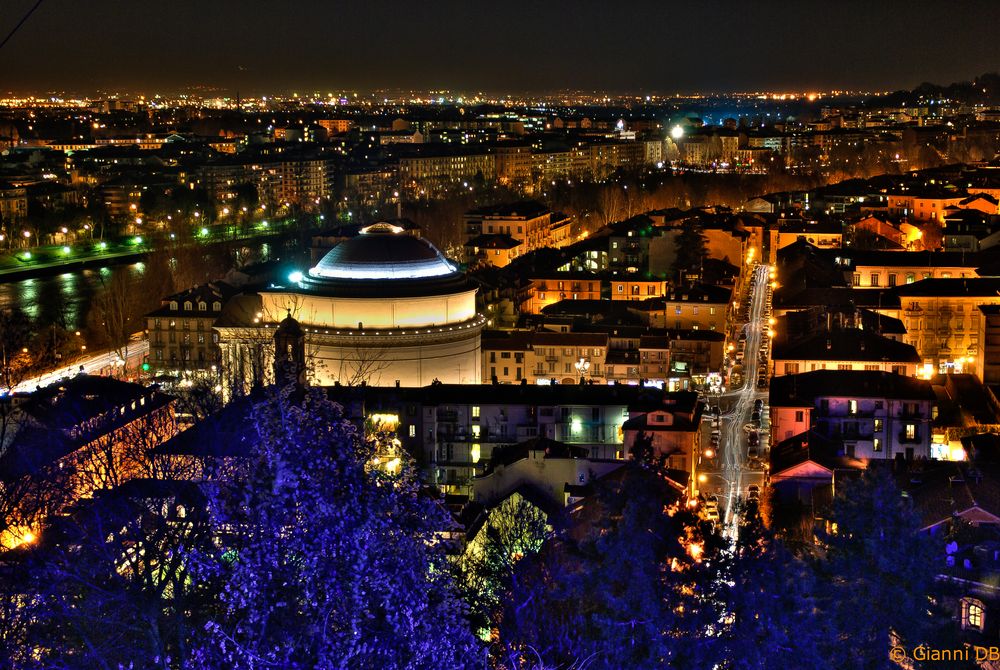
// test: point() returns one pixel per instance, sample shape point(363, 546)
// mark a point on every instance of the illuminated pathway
point(734, 452)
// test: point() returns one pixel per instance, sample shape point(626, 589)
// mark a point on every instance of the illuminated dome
point(383, 252)
point(383, 307)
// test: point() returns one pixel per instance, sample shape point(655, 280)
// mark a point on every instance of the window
point(413, 430)
point(799, 416)
point(911, 431)
point(972, 614)
point(878, 425)
point(857, 279)
point(877, 444)
point(874, 279)
point(187, 305)
point(892, 279)
point(202, 306)
point(711, 311)
point(909, 278)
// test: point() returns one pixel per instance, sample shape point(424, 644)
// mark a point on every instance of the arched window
point(972, 614)
point(202, 306)
point(173, 304)
point(187, 305)
point(216, 306)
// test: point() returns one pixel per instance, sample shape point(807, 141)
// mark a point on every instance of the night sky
point(639, 45)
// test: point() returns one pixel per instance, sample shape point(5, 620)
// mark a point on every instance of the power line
point(20, 23)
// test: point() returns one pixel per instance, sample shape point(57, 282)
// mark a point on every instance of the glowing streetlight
point(677, 132)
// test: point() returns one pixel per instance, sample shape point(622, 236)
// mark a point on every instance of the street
point(733, 475)
point(99, 363)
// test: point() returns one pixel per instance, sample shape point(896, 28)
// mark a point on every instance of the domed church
point(381, 308)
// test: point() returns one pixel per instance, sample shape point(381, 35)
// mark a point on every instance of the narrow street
point(733, 460)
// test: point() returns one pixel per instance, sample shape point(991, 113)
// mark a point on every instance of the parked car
point(711, 511)
point(753, 492)
point(753, 438)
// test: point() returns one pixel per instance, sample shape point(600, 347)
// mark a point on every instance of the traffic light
point(145, 367)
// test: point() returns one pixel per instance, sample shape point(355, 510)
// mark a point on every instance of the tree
point(334, 563)
point(768, 605)
point(618, 589)
point(109, 585)
point(691, 250)
point(878, 573)
point(513, 529)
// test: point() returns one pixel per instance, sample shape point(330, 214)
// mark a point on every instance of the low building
point(673, 429)
point(552, 470)
point(843, 349)
point(942, 320)
point(84, 434)
point(180, 332)
point(877, 415)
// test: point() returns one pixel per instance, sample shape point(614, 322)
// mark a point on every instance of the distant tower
point(238, 103)
point(289, 353)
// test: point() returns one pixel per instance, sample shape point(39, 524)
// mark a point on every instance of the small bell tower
point(289, 353)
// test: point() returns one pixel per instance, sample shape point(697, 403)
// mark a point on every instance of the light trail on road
point(90, 365)
point(734, 442)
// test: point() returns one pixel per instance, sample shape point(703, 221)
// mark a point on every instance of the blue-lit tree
point(329, 562)
point(614, 589)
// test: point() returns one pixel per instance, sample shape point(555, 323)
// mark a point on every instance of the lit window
point(911, 431)
point(852, 407)
point(972, 614)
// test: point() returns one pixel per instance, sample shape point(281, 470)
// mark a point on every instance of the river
point(66, 299)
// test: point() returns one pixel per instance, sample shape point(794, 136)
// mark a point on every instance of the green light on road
point(66, 250)
point(137, 240)
point(204, 232)
point(26, 255)
point(102, 245)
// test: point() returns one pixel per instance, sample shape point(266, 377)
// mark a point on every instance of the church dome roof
point(383, 252)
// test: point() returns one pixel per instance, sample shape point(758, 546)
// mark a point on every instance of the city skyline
point(663, 47)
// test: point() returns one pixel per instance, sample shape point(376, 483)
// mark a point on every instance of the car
point(758, 405)
point(716, 410)
point(753, 492)
point(762, 383)
point(753, 453)
point(711, 511)
point(753, 438)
